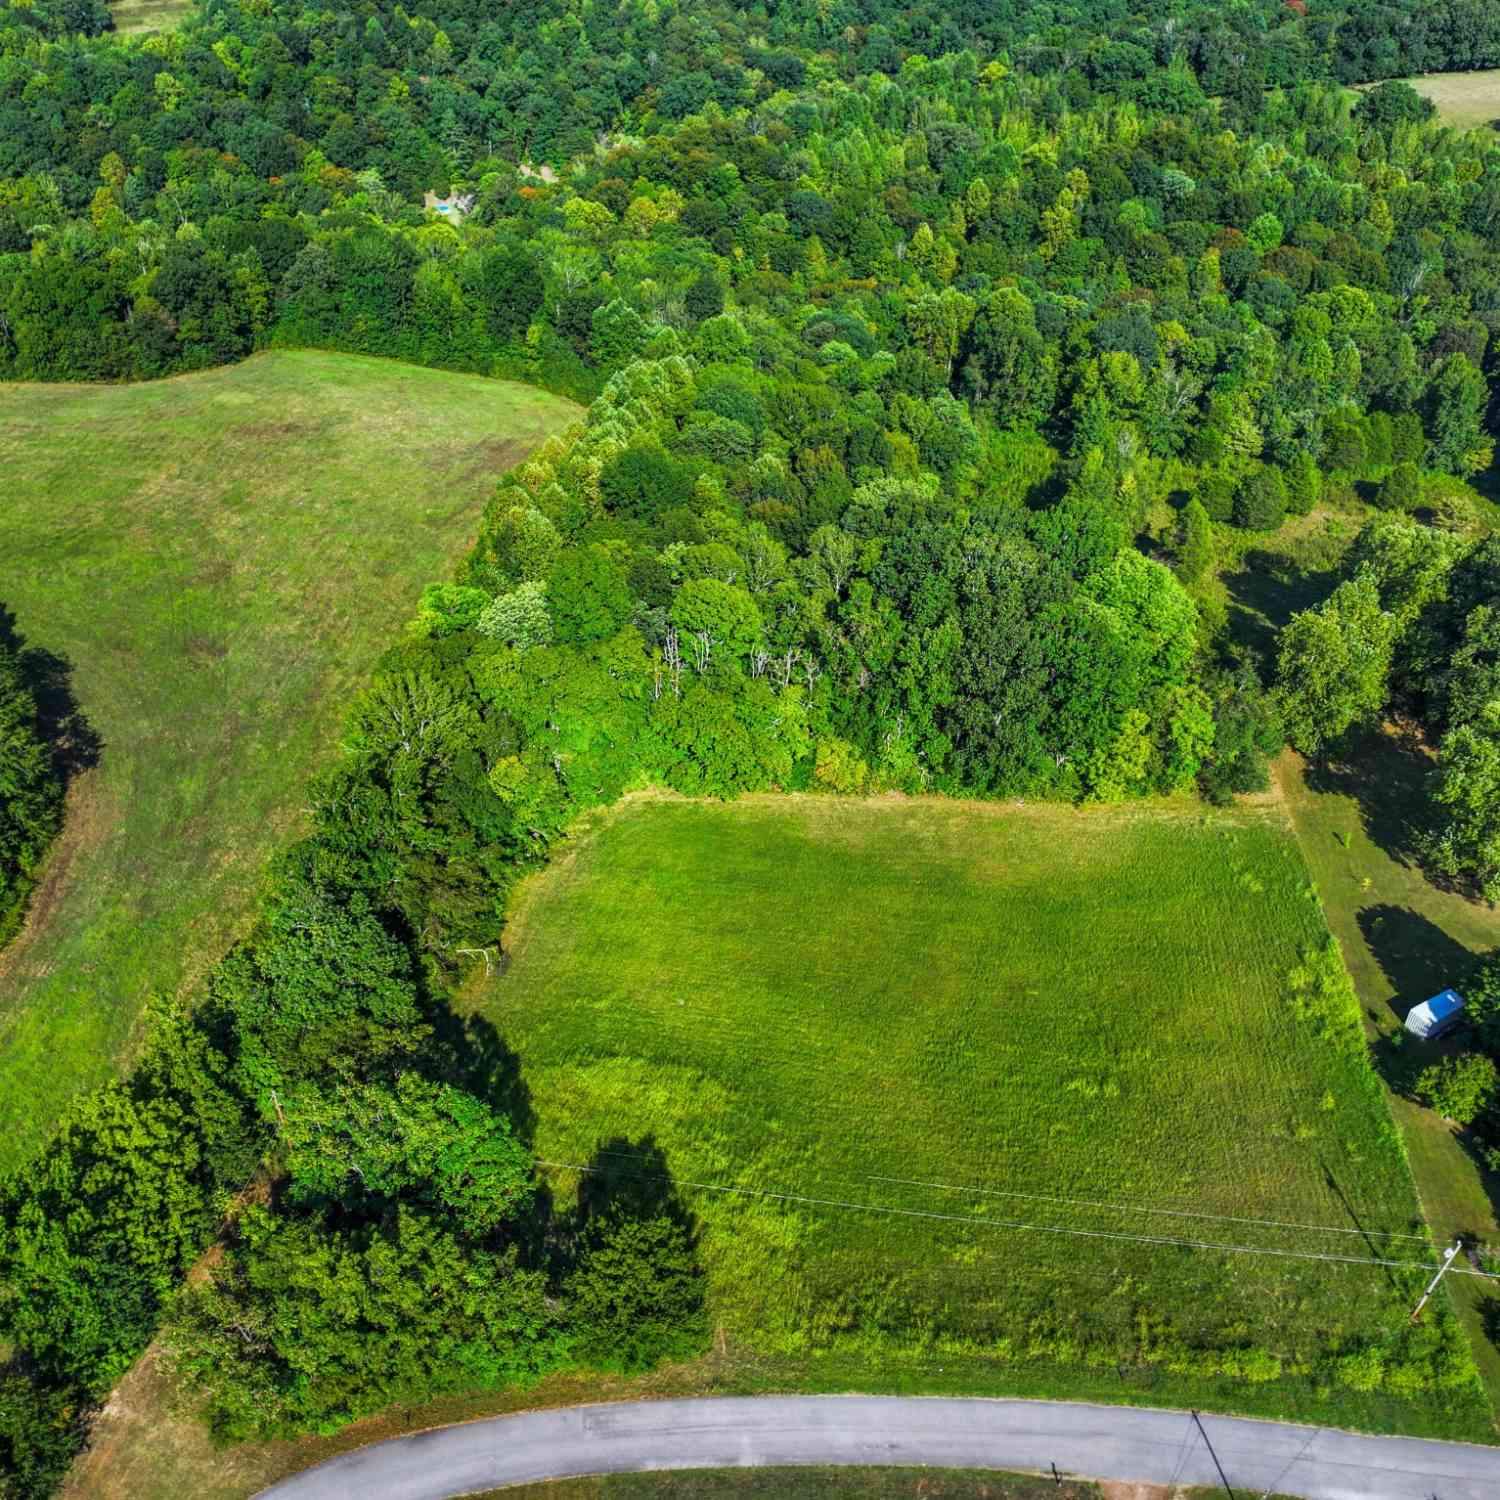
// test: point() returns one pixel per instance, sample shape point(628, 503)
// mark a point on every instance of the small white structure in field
point(1433, 1017)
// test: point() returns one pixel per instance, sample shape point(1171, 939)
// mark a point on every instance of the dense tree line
point(361, 1156)
point(31, 786)
point(545, 77)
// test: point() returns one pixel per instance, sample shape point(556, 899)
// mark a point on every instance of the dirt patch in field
point(272, 431)
point(1122, 1489)
point(492, 456)
point(204, 648)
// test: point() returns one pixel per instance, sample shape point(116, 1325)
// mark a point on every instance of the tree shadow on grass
point(1374, 1239)
point(1384, 773)
point(1414, 953)
point(1418, 959)
point(74, 743)
point(628, 1256)
point(470, 1052)
point(630, 1178)
point(1264, 594)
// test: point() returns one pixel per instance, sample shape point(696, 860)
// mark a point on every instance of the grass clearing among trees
point(972, 1012)
point(1464, 100)
point(132, 17)
point(1404, 939)
point(220, 557)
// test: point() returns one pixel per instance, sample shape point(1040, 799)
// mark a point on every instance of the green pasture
point(220, 557)
point(1464, 100)
point(870, 1040)
point(140, 16)
point(1405, 938)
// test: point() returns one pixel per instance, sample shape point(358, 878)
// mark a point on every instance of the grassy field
point(869, 1040)
point(805, 1484)
point(220, 557)
point(840, 1484)
point(859, 1002)
point(1404, 939)
point(1464, 100)
point(138, 16)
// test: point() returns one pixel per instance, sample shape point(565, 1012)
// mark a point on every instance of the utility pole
point(1416, 1313)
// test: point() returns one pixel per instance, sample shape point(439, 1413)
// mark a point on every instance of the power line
point(1091, 1203)
point(1089, 1234)
point(707, 1018)
point(1177, 1213)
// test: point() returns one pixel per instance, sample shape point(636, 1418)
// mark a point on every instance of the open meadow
point(1464, 100)
point(219, 557)
point(143, 16)
point(879, 1036)
point(928, 1072)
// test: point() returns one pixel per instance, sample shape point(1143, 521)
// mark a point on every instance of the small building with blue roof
point(1433, 1017)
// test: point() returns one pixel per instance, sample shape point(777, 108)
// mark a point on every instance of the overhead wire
point(708, 1019)
point(1021, 1225)
point(1117, 1207)
point(1178, 1213)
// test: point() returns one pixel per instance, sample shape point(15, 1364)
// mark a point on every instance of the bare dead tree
point(703, 647)
point(483, 953)
point(671, 651)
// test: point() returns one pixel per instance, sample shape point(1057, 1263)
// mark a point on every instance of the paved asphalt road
point(1111, 1442)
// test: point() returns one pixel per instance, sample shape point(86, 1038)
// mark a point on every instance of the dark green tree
point(1457, 398)
point(1401, 489)
point(1333, 665)
point(1260, 503)
point(31, 790)
point(42, 1428)
point(1465, 843)
point(309, 1322)
point(1393, 103)
point(1195, 542)
point(705, 297)
point(588, 596)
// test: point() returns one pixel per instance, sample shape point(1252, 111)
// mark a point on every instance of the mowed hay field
point(135, 16)
point(221, 557)
point(1464, 100)
point(870, 1040)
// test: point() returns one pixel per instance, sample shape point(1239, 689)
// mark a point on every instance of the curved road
point(1114, 1442)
